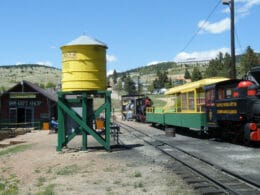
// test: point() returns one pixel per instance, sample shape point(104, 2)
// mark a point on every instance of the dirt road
point(34, 167)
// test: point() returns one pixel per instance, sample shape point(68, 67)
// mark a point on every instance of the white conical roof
point(85, 40)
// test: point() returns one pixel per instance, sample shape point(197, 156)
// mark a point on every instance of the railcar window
point(221, 94)
point(210, 97)
point(200, 101)
point(187, 101)
point(191, 100)
point(184, 101)
point(228, 93)
point(178, 103)
point(171, 104)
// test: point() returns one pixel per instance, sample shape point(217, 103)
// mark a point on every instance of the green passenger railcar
point(156, 118)
point(187, 120)
point(185, 106)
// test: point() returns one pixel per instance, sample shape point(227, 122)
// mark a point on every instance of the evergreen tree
point(249, 60)
point(42, 85)
point(225, 71)
point(130, 87)
point(2, 89)
point(219, 66)
point(139, 86)
point(162, 80)
point(150, 88)
point(119, 85)
point(212, 71)
point(187, 74)
point(50, 85)
point(196, 74)
point(114, 77)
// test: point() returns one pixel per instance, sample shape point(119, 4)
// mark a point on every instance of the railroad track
point(205, 177)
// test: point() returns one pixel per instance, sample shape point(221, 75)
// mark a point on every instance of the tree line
point(218, 67)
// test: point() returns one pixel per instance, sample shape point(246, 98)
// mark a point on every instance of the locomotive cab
point(220, 104)
point(233, 108)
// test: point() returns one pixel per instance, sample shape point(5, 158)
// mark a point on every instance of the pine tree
point(196, 74)
point(162, 80)
point(219, 66)
point(130, 87)
point(249, 60)
point(187, 74)
point(114, 77)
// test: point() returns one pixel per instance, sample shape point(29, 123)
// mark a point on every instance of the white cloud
point(199, 55)
point(19, 63)
point(46, 63)
point(215, 28)
point(111, 58)
point(110, 72)
point(247, 5)
point(242, 8)
point(152, 63)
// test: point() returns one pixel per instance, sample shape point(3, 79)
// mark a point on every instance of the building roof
point(85, 40)
point(51, 96)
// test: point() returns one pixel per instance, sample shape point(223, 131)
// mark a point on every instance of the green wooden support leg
point(61, 128)
point(108, 115)
point(84, 141)
point(84, 118)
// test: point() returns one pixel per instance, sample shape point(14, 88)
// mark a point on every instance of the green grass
point(137, 174)
point(157, 100)
point(9, 186)
point(15, 149)
point(49, 190)
point(68, 170)
point(41, 181)
point(131, 164)
point(138, 185)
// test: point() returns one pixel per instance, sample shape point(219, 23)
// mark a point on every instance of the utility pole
point(230, 3)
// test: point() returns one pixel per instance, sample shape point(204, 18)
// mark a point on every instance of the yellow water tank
point(84, 65)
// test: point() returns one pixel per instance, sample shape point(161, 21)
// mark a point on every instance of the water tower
point(83, 102)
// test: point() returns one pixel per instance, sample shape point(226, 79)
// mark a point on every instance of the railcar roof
point(194, 85)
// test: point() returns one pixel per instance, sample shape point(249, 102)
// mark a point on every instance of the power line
point(199, 29)
point(238, 41)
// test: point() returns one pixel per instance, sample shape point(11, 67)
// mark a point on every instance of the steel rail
point(160, 145)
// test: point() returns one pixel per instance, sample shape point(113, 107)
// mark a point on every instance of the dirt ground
point(35, 167)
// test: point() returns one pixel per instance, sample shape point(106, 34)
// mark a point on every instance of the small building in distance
point(27, 105)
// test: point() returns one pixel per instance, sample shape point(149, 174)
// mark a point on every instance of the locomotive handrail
point(150, 109)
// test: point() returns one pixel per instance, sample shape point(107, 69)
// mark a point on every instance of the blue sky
point(137, 32)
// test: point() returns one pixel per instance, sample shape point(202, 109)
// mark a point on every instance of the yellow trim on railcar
point(187, 98)
point(194, 85)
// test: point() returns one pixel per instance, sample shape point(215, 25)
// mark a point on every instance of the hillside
point(38, 74)
point(146, 74)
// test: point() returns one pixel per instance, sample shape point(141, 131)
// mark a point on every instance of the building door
point(12, 117)
point(29, 119)
point(25, 117)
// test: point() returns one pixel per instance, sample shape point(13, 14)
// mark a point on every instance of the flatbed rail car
point(221, 107)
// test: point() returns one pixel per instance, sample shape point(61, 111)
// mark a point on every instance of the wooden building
point(27, 105)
